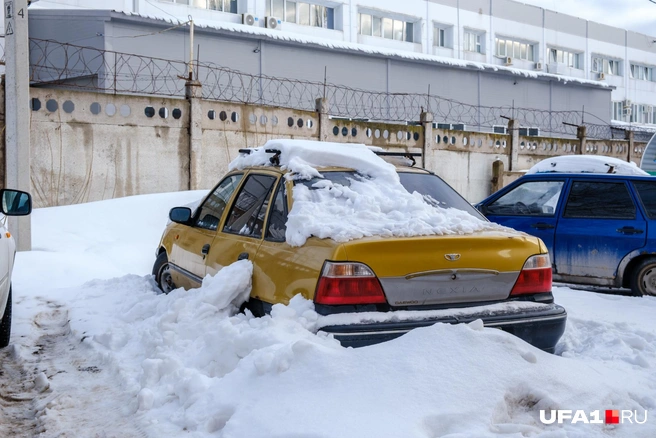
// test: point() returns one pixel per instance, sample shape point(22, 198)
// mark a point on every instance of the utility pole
point(17, 113)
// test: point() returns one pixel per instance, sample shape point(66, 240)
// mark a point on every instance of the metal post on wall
point(17, 113)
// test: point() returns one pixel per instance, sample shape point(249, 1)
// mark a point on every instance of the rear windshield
point(435, 191)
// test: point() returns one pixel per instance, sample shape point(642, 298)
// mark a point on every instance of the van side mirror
point(15, 202)
point(180, 215)
point(482, 208)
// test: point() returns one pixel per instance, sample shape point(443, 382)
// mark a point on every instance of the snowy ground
point(97, 352)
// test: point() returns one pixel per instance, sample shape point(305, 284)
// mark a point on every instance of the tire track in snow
point(58, 387)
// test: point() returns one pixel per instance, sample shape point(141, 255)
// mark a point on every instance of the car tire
point(643, 278)
point(161, 271)
point(5, 323)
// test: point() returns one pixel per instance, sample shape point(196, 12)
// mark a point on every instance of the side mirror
point(180, 215)
point(15, 202)
point(482, 208)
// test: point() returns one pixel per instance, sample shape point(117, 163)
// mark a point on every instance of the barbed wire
point(54, 63)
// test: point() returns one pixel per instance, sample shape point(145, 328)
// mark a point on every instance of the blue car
point(600, 228)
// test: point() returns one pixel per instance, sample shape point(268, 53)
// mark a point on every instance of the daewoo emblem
point(452, 257)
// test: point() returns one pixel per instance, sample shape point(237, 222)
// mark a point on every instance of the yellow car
point(372, 288)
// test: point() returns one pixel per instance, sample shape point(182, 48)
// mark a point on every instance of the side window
point(534, 198)
point(247, 214)
point(277, 224)
point(599, 200)
point(647, 192)
point(212, 209)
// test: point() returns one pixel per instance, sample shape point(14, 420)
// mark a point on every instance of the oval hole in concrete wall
point(125, 110)
point(95, 108)
point(35, 104)
point(335, 130)
point(234, 117)
point(177, 113)
point(110, 110)
point(290, 122)
point(211, 114)
point(164, 112)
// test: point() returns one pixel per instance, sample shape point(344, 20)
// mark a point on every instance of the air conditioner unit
point(538, 66)
point(272, 23)
point(499, 129)
point(508, 60)
point(248, 19)
point(627, 103)
point(601, 76)
point(626, 111)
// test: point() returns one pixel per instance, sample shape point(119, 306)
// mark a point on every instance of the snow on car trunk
point(187, 366)
point(373, 203)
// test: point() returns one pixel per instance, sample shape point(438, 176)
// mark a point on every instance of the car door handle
point(543, 226)
point(243, 256)
point(205, 250)
point(629, 230)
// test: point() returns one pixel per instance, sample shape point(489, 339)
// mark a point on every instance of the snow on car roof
point(586, 164)
point(376, 205)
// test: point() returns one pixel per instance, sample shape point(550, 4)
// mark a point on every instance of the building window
point(306, 14)
point(474, 41)
point(641, 72)
point(618, 108)
point(606, 66)
point(222, 5)
point(214, 5)
point(514, 49)
point(442, 35)
point(385, 27)
point(565, 57)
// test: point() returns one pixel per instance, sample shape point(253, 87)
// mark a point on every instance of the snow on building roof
point(586, 164)
point(281, 35)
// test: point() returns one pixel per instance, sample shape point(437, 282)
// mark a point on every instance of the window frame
point(473, 38)
point(327, 13)
point(406, 31)
point(528, 49)
point(641, 72)
point(559, 183)
point(280, 187)
point(245, 179)
point(194, 220)
point(566, 57)
point(623, 183)
point(606, 65)
point(442, 34)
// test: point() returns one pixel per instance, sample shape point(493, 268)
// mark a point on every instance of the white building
point(497, 32)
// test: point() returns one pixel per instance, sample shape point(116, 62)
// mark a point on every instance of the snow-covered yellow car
point(379, 248)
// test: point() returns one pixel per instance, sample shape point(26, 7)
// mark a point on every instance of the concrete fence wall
point(88, 146)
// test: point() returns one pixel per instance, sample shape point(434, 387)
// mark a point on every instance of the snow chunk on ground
point(586, 164)
point(375, 203)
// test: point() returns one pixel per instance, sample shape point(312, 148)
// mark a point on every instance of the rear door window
point(647, 193)
point(533, 198)
point(277, 224)
point(246, 217)
point(599, 200)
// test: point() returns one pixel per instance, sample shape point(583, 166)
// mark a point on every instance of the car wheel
point(643, 280)
point(5, 323)
point(162, 273)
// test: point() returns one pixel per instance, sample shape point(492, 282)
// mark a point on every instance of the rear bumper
point(541, 328)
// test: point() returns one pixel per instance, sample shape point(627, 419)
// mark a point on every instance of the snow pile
point(587, 164)
point(374, 204)
point(184, 365)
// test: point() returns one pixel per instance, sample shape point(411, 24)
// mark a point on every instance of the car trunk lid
point(435, 270)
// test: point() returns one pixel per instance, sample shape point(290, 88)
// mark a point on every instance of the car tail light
point(535, 276)
point(348, 283)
